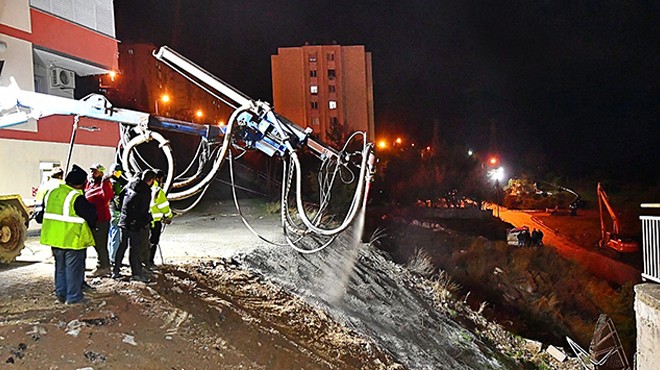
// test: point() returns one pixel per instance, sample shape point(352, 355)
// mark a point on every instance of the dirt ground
point(224, 299)
point(201, 311)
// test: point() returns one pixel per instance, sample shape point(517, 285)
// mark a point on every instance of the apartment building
point(326, 87)
point(47, 46)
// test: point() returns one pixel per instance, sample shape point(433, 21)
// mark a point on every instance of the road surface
point(598, 264)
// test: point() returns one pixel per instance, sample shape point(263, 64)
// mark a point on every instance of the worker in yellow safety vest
point(160, 212)
point(54, 180)
point(67, 222)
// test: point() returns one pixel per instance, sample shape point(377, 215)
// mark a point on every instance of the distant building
point(47, 46)
point(328, 88)
point(145, 81)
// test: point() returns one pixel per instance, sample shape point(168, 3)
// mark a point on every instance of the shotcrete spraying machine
point(252, 125)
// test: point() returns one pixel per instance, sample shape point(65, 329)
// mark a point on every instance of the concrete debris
point(18, 352)
point(100, 318)
point(129, 339)
point(176, 289)
point(533, 346)
point(557, 353)
point(73, 327)
point(37, 332)
point(95, 357)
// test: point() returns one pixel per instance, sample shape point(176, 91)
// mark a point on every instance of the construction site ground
point(223, 299)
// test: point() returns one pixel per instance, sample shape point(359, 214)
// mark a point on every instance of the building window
point(331, 74)
point(312, 73)
point(333, 121)
point(315, 105)
point(332, 88)
point(332, 104)
point(315, 121)
point(331, 56)
point(314, 89)
point(312, 57)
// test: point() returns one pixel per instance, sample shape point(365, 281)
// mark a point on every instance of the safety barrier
point(651, 246)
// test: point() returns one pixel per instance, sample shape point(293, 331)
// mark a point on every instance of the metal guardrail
point(651, 247)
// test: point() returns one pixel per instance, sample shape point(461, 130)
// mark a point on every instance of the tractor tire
point(12, 233)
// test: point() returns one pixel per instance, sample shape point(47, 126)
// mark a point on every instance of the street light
point(164, 98)
point(497, 174)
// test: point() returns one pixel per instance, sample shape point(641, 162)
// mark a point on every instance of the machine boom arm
point(252, 125)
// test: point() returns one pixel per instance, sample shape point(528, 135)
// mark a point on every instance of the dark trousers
point(69, 273)
point(101, 240)
point(154, 239)
point(136, 240)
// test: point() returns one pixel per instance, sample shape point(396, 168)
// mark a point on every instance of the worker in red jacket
point(98, 191)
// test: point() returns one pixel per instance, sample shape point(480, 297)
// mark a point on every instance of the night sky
point(570, 87)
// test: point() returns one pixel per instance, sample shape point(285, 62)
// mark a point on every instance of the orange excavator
point(613, 239)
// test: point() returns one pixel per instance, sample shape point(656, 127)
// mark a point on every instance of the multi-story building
point(328, 88)
point(47, 46)
point(145, 82)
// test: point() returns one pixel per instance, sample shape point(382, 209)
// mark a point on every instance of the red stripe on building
point(57, 129)
point(14, 32)
point(65, 37)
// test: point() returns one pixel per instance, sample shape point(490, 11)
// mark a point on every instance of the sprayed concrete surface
point(226, 299)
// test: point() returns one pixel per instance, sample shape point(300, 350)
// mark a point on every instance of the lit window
point(314, 89)
point(332, 104)
point(332, 88)
point(312, 57)
point(315, 105)
point(315, 121)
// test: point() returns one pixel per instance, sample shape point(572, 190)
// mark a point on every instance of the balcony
point(651, 242)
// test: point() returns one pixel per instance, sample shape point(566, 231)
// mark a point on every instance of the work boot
point(140, 278)
point(83, 300)
point(87, 288)
point(100, 271)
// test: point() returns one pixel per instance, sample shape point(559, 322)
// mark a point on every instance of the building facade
point(47, 46)
point(328, 88)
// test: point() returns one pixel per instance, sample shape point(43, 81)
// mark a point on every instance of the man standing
point(161, 213)
point(66, 227)
point(54, 180)
point(134, 222)
point(99, 192)
point(118, 183)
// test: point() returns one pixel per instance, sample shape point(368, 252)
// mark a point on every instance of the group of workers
point(110, 213)
point(525, 239)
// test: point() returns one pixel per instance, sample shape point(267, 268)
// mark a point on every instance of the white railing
point(651, 245)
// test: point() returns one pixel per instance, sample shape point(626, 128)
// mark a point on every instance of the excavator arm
point(614, 239)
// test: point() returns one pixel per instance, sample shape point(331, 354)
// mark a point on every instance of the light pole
point(497, 174)
point(164, 98)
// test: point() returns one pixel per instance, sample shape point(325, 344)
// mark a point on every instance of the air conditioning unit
point(61, 78)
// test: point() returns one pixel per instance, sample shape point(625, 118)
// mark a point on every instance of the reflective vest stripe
point(53, 216)
point(68, 202)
